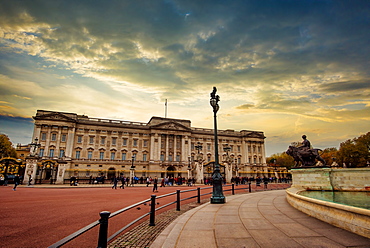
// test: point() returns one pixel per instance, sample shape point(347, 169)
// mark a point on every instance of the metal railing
point(103, 222)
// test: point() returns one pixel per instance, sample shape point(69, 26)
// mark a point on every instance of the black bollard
point(232, 189)
point(198, 195)
point(152, 211)
point(178, 200)
point(250, 190)
point(103, 230)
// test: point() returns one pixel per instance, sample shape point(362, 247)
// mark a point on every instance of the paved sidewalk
point(263, 219)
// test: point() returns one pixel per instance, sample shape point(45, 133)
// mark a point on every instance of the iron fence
point(103, 222)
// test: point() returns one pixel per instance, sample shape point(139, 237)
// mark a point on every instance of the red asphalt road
point(39, 217)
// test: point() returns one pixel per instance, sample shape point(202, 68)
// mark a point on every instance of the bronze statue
point(304, 154)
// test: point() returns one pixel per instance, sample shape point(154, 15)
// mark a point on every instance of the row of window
point(135, 142)
point(124, 156)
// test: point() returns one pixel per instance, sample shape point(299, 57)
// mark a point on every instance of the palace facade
point(68, 144)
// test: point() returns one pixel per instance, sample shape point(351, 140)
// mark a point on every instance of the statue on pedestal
point(304, 154)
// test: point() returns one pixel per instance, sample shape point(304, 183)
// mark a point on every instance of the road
point(39, 217)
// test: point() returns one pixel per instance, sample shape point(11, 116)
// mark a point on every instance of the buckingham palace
point(71, 145)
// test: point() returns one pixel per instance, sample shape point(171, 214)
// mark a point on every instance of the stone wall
point(341, 179)
point(353, 219)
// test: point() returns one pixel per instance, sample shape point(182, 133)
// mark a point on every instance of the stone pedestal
point(30, 171)
point(341, 179)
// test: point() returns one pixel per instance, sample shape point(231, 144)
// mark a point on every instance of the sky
point(285, 68)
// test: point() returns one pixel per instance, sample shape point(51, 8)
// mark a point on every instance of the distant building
point(84, 147)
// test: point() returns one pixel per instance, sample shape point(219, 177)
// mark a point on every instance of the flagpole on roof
point(165, 109)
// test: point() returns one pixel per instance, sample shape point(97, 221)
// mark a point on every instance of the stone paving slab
point(263, 219)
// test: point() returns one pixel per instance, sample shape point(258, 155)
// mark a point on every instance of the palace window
point(78, 153)
point(114, 141)
point(169, 157)
point(79, 139)
point(102, 141)
point(135, 142)
point(43, 136)
point(112, 155)
point(61, 153)
point(178, 158)
point(41, 153)
point(123, 156)
point(145, 143)
point(89, 154)
point(53, 136)
point(101, 155)
point(91, 140)
point(64, 138)
point(124, 142)
point(144, 157)
point(162, 157)
point(51, 153)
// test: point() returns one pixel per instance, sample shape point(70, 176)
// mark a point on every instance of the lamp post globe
point(217, 194)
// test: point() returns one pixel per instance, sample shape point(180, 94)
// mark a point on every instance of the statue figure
point(304, 154)
point(213, 93)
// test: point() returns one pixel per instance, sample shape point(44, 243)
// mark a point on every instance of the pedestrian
point(16, 181)
point(265, 182)
point(147, 181)
point(122, 182)
point(6, 180)
point(115, 182)
point(155, 184)
point(162, 183)
point(189, 181)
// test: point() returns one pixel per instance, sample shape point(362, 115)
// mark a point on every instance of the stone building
point(69, 145)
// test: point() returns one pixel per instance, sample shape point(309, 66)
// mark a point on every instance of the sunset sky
point(286, 68)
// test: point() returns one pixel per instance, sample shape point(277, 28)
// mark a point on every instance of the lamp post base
point(218, 199)
point(217, 194)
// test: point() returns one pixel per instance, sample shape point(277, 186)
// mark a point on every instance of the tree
point(328, 154)
point(355, 152)
point(281, 159)
point(6, 147)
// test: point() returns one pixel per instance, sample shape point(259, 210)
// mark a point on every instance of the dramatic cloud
point(276, 64)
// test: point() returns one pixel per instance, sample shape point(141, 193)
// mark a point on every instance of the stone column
point(263, 152)
point(152, 147)
point(183, 148)
point(36, 132)
point(157, 153)
point(70, 141)
point(167, 148)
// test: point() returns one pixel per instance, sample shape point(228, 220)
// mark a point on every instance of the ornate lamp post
point(217, 194)
point(189, 168)
point(132, 171)
point(199, 147)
